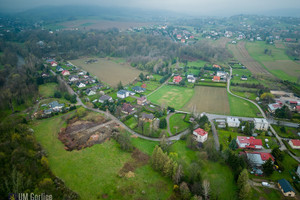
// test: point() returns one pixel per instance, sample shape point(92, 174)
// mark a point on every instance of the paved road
point(215, 134)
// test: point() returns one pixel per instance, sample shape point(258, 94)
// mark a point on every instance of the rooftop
point(200, 131)
point(285, 185)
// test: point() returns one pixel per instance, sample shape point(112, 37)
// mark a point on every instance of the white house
point(222, 74)
point(261, 124)
point(244, 78)
point(233, 122)
point(124, 93)
point(80, 85)
point(90, 92)
point(191, 78)
point(200, 134)
point(73, 78)
point(298, 170)
point(248, 142)
point(105, 98)
point(295, 144)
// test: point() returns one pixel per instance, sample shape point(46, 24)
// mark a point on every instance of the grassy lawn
point(177, 123)
point(244, 92)
point(240, 107)
point(266, 194)
point(296, 152)
point(48, 89)
point(93, 172)
point(290, 132)
point(224, 135)
point(198, 63)
point(150, 86)
point(173, 96)
point(211, 84)
point(217, 173)
point(238, 73)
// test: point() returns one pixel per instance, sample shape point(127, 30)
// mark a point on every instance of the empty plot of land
point(101, 24)
point(241, 54)
point(108, 71)
point(287, 66)
point(209, 99)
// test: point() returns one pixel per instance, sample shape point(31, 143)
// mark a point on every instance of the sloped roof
point(285, 185)
point(217, 78)
point(252, 141)
point(200, 131)
point(296, 142)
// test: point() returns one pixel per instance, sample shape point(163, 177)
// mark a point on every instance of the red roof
point(53, 62)
point(65, 71)
point(144, 85)
point(264, 156)
point(200, 131)
point(217, 66)
point(177, 79)
point(293, 102)
point(249, 140)
point(296, 142)
point(217, 78)
point(298, 108)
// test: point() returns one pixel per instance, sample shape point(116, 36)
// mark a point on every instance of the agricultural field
point(109, 71)
point(241, 54)
point(209, 99)
point(178, 124)
point(100, 166)
point(174, 96)
point(240, 107)
point(47, 90)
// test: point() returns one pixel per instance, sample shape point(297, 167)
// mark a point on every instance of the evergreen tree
point(120, 86)
point(233, 145)
point(268, 167)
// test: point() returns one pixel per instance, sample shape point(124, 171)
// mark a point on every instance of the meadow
point(174, 96)
point(240, 107)
point(177, 123)
point(93, 172)
point(109, 71)
point(209, 99)
point(47, 90)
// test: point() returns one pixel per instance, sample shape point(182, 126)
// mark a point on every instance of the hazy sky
point(194, 7)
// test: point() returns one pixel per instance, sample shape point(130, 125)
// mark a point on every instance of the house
point(222, 74)
point(124, 93)
point(298, 170)
point(216, 78)
point(44, 75)
point(261, 124)
point(127, 108)
point(295, 144)
point(257, 159)
point(286, 188)
point(53, 64)
point(182, 40)
point(142, 100)
point(233, 122)
point(65, 73)
point(191, 78)
point(144, 85)
point(55, 106)
point(274, 106)
point(105, 98)
point(298, 109)
point(59, 69)
point(90, 92)
point(73, 78)
point(50, 60)
point(48, 111)
point(244, 78)
point(147, 117)
point(221, 123)
point(177, 79)
point(138, 89)
point(217, 66)
point(80, 85)
point(248, 142)
point(200, 134)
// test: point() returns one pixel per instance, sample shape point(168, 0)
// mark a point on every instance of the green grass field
point(217, 173)
point(174, 96)
point(238, 73)
point(240, 107)
point(93, 172)
point(177, 123)
point(48, 89)
point(290, 132)
point(198, 63)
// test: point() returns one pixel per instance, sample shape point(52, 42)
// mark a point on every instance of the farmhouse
point(286, 188)
point(261, 124)
point(105, 98)
point(200, 135)
point(248, 142)
point(138, 89)
point(257, 159)
point(80, 85)
point(127, 108)
point(177, 79)
point(65, 73)
point(244, 78)
point(233, 122)
point(295, 144)
point(142, 100)
point(90, 92)
point(124, 93)
point(147, 117)
point(216, 79)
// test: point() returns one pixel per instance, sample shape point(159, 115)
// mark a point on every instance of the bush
point(57, 94)
point(163, 123)
point(124, 141)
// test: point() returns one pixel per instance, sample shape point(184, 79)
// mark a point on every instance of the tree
point(191, 142)
point(245, 192)
point(184, 191)
point(229, 138)
point(206, 188)
point(163, 123)
point(244, 187)
point(206, 127)
point(124, 141)
point(73, 98)
point(120, 86)
point(243, 179)
point(163, 143)
point(233, 145)
point(268, 167)
point(283, 112)
point(142, 77)
point(177, 174)
point(267, 97)
point(57, 94)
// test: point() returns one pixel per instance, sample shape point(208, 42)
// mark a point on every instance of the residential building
point(295, 144)
point(73, 78)
point(191, 78)
point(273, 107)
point(261, 124)
point(222, 74)
point(105, 98)
point(147, 117)
point(216, 79)
point(298, 170)
point(138, 89)
point(127, 108)
point(55, 106)
point(80, 85)
point(90, 92)
point(233, 122)
point(248, 142)
point(257, 159)
point(217, 66)
point(59, 69)
point(65, 73)
point(200, 135)
point(124, 93)
point(53, 64)
point(244, 78)
point(142, 100)
point(286, 188)
point(177, 79)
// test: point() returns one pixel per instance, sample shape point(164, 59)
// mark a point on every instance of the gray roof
point(147, 116)
point(105, 97)
point(138, 88)
point(285, 185)
point(122, 92)
point(255, 159)
point(54, 104)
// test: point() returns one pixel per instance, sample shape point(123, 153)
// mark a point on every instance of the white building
point(80, 85)
point(248, 142)
point(261, 124)
point(295, 144)
point(200, 134)
point(233, 122)
point(124, 93)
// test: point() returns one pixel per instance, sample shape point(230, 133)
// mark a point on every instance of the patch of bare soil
point(138, 159)
point(80, 134)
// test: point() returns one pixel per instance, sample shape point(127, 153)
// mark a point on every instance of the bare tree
point(206, 188)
